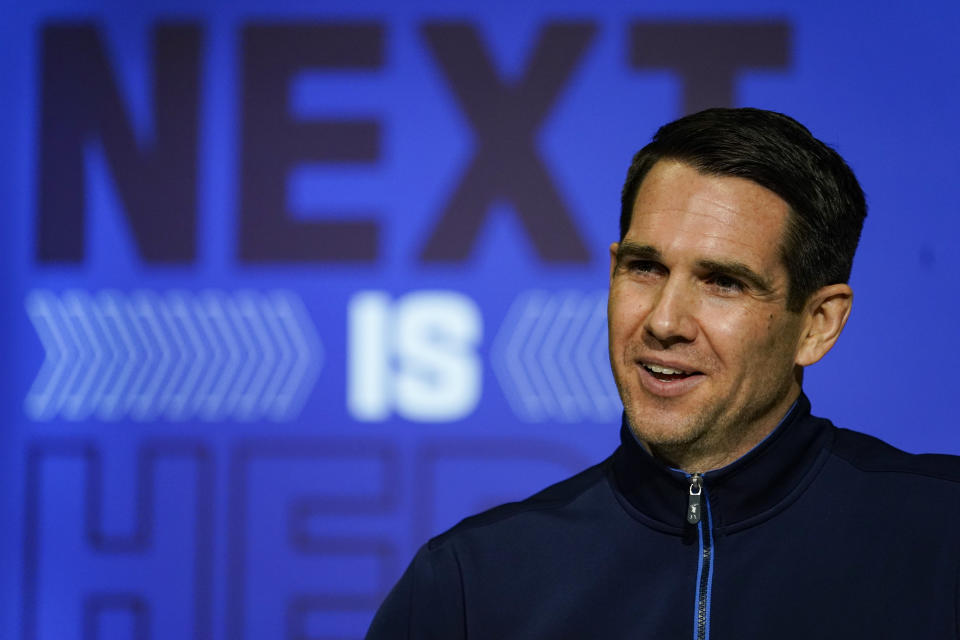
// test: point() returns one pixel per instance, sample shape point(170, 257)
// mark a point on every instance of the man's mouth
point(667, 374)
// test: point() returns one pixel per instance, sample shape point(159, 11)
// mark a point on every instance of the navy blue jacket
point(818, 532)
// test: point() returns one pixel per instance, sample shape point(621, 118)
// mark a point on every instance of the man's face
point(702, 346)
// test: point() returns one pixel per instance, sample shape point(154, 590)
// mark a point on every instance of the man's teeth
point(664, 370)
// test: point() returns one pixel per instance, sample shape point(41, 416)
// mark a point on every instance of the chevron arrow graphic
point(172, 355)
point(550, 358)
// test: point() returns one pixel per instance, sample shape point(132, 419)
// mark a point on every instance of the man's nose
point(670, 319)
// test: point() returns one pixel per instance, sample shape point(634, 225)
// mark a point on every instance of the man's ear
point(614, 247)
point(825, 315)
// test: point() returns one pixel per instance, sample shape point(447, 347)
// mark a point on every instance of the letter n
point(155, 178)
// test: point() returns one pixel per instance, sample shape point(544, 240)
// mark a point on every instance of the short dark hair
point(827, 206)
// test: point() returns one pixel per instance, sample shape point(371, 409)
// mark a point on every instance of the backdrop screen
point(292, 286)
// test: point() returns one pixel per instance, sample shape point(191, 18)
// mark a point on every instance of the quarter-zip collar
point(749, 489)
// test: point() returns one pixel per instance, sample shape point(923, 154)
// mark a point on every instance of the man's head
point(827, 207)
point(724, 284)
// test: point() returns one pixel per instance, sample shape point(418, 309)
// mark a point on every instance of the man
point(728, 510)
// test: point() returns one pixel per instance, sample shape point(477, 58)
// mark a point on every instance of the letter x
point(505, 116)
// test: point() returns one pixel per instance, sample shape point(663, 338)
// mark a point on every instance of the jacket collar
point(750, 488)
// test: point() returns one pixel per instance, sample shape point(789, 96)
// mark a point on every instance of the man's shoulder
point(555, 497)
point(870, 454)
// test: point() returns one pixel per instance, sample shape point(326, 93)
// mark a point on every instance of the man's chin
point(656, 429)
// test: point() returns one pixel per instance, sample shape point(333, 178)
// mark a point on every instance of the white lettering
point(417, 357)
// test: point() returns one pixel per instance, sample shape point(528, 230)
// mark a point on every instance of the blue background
point(246, 513)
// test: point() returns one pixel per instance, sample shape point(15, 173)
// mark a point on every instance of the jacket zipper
point(697, 504)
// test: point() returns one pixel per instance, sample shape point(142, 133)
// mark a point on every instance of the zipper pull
point(693, 505)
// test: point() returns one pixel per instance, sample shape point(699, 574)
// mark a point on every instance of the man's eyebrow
point(637, 251)
point(737, 270)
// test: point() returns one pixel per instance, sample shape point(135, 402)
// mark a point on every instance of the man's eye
point(643, 266)
point(726, 283)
